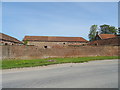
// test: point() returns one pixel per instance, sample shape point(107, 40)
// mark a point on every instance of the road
point(93, 74)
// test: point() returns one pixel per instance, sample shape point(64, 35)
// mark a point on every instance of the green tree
point(118, 30)
point(25, 42)
point(92, 33)
point(107, 29)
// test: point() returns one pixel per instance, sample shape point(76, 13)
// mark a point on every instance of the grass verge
point(8, 64)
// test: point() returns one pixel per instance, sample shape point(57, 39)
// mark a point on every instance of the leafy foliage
point(25, 42)
point(103, 29)
point(92, 34)
point(107, 29)
point(119, 31)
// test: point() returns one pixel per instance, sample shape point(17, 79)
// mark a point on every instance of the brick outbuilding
point(106, 39)
point(52, 41)
point(8, 40)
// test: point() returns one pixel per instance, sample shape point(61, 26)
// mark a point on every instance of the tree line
point(102, 29)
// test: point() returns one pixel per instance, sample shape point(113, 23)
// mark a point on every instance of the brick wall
point(52, 44)
point(34, 52)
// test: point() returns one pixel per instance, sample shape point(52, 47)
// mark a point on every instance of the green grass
point(8, 64)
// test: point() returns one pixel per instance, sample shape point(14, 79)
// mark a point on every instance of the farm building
point(8, 40)
point(104, 36)
point(50, 41)
point(106, 39)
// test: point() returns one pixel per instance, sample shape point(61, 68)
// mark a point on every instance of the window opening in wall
point(96, 44)
point(45, 46)
point(6, 44)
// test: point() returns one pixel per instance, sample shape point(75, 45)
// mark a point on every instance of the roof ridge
point(52, 36)
point(10, 38)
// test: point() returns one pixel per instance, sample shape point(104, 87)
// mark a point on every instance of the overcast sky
point(56, 18)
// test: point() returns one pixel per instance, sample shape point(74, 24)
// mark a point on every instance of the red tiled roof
point(108, 41)
point(9, 38)
point(51, 38)
point(105, 36)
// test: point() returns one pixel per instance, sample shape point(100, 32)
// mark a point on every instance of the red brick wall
point(34, 52)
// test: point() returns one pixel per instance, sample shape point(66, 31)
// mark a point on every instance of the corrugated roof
point(9, 38)
point(51, 38)
point(105, 36)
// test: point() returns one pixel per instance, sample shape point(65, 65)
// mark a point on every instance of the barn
point(106, 39)
point(8, 40)
point(104, 36)
point(52, 41)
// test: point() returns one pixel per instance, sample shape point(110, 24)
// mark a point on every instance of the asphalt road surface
point(94, 74)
